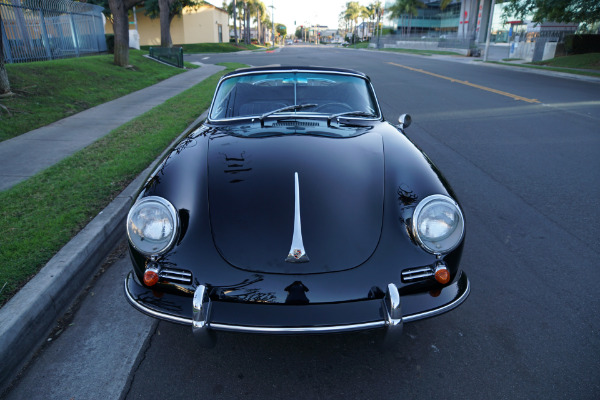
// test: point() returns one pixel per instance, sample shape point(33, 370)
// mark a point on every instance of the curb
point(31, 314)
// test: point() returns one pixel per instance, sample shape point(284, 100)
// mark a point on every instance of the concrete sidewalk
point(28, 317)
point(34, 151)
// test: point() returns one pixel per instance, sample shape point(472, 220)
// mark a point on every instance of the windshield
point(258, 95)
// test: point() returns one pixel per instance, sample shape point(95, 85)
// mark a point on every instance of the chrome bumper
point(390, 310)
point(201, 324)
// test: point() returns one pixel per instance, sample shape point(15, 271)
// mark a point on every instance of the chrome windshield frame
point(234, 120)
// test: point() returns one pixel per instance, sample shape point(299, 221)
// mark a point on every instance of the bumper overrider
point(206, 315)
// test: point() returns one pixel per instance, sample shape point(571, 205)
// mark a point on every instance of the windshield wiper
point(295, 107)
point(349, 113)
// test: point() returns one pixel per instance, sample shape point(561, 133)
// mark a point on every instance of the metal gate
point(34, 30)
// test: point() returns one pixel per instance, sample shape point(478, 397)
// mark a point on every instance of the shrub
point(582, 44)
point(110, 43)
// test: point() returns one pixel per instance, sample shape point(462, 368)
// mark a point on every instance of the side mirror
point(404, 121)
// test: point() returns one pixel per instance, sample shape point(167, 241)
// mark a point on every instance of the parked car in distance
point(295, 208)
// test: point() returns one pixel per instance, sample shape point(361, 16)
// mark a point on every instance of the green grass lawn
point(580, 61)
point(365, 45)
point(361, 45)
point(212, 47)
point(40, 215)
point(423, 52)
point(48, 91)
point(581, 64)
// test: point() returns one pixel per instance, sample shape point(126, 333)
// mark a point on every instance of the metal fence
point(427, 41)
point(35, 30)
point(172, 56)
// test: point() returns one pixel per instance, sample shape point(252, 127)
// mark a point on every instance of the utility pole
point(489, 31)
point(272, 22)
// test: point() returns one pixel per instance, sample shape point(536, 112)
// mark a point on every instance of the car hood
point(252, 200)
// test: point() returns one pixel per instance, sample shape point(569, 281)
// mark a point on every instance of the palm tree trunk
point(248, 35)
point(258, 38)
point(235, 30)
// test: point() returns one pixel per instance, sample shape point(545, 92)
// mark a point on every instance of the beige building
point(204, 24)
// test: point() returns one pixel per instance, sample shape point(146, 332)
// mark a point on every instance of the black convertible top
point(281, 68)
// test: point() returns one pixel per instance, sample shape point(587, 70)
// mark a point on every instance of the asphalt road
point(521, 151)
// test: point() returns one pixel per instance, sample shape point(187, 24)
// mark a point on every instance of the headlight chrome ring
point(438, 224)
point(152, 225)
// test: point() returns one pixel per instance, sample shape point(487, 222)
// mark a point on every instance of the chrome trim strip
point(441, 310)
point(180, 276)
point(411, 277)
point(297, 253)
point(317, 329)
point(153, 313)
point(416, 270)
point(308, 329)
point(177, 272)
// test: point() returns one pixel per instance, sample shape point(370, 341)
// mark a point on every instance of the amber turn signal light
point(151, 277)
point(442, 275)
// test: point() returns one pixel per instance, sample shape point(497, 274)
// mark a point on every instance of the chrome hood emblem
point(297, 253)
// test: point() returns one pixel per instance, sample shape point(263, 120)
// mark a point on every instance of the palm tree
point(231, 9)
point(364, 14)
point(258, 10)
point(352, 13)
point(376, 9)
point(405, 10)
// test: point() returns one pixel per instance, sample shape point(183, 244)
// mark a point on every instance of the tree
point(166, 17)
point(119, 10)
point(4, 83)
point(364, 14)
point(246, 23)
point(258, 10)
point(166, 10)
point(583, 11)
point(281, 29)
point(351, 14)
point(405, 10)
point(232, 11)
point(378, 12)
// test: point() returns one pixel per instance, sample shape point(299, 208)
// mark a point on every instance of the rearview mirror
point(404, 120)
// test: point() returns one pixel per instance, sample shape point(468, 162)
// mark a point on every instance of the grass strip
point(565, 70)
point(40, 215)
point(424, 52)
point(580, 61)
point(194, 48)
point(48, 91)
point(365, 45)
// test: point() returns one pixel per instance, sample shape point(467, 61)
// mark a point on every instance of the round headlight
point(152, 225)
point(438, 224)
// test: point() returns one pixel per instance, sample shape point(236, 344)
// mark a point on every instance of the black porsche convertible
point(295, 208)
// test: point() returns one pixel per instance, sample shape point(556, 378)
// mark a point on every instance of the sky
point(308, 12)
